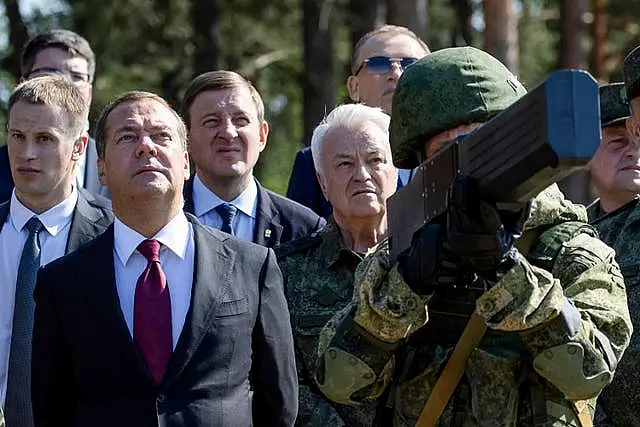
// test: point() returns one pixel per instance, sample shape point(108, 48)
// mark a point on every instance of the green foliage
point(148, 45)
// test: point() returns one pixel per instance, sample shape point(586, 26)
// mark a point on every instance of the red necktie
point(152, 313)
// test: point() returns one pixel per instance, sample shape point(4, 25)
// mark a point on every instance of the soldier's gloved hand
point(479, 239)
point(424, 266)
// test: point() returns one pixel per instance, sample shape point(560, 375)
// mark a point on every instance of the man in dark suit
point(379, 59)
point(224, 114)
point(64, 53)
point(46, 217)
point(160, 321)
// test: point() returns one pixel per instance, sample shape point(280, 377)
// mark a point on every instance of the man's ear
point(353, 87)
point(79, 146)
point(323, 184)
point(102, 174)
point(264, 133)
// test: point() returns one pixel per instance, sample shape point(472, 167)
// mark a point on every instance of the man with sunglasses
point(379, 59)
point(67, 54)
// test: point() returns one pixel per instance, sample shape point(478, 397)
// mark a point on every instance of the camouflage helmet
point(614, 106)
point(443, 90)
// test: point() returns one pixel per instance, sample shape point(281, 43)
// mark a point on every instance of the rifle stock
point(546, 135)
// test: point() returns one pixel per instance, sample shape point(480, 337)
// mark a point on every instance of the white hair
point(343, 116)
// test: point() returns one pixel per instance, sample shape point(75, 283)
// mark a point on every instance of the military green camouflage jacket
point(318, 273)
point(619, 404)
point(557, 325)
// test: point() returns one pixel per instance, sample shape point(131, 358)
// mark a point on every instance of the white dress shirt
point(205, 201)
point(177, 256)
point(53, 242)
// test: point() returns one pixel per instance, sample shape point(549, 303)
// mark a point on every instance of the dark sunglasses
point(382, 64)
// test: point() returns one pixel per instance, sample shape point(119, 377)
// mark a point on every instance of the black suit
point(91, 218)
point(6, 180)
point(278, 219)
point(87, 371)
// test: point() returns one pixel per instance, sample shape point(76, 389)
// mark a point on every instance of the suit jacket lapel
point(102, 295)
point(187, 195)
point(87, 223)
point(213, 264)
point(4, 213)
point(268, 229)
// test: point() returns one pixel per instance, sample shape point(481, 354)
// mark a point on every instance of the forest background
point(297, 52)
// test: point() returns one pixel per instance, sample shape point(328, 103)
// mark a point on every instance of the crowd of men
point(136, 291)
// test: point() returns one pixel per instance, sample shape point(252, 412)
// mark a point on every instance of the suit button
point(162, 398)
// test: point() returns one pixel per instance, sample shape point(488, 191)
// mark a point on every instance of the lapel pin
point(267, 233)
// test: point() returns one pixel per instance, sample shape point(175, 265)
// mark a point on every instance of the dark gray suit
point(278, 219)
point(91, 218)
point(237, 335)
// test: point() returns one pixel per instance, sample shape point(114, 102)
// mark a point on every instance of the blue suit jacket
point(304, 187)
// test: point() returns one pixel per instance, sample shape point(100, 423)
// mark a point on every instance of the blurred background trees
point(297, 51)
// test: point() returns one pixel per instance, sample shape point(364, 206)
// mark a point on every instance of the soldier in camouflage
point(553, 300)
point(609, 166)
point(618, 223)
point(353, 162)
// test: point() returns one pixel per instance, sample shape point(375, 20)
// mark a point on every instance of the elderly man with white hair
point(356, 174)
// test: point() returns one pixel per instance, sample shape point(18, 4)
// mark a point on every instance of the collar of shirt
point(53, 219)
point(334, 248)
point(174, 235)
point(204, 200)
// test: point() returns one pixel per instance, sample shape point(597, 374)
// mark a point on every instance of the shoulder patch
point(544, 252)
point(297, 245)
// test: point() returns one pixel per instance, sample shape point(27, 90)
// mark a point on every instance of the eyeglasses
point(72, 76)
point(382, 64)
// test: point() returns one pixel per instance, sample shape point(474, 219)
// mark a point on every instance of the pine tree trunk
point(409, 13)
point(205, 18)
point(573, 54)
point(18, 37)
point(501, 32)
point(318, 84)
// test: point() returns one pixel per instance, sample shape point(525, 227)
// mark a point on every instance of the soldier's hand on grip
point(480, 238)
point(425, 266)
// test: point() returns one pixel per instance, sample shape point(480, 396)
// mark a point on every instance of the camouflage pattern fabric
point(595, 211)
point(423, 103)
point(556, 332)
point(619, 402)
point(318, 274)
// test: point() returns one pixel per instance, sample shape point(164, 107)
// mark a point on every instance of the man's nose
point(362, 172)
point(146, 146)
point(228, 130)
point(395, 72)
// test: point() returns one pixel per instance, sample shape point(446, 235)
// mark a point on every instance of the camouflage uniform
point(557, 322)
point(618, 404)
point(318, 273)
point(620, 229)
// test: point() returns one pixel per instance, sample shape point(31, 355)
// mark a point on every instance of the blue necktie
point(18, 411)
point(227, 212)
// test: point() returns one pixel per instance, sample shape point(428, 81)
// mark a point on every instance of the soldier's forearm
point(355, 366)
